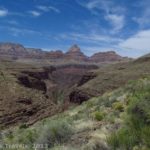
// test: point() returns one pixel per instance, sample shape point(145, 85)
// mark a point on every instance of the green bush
point(124, 139)
point(26, 136)
point(98, 115)
point(95, 145)
point(23, 126)
point(146, 135)
point(113, 141)
point(89, 104)
point(110, 118)
point(135, 134)
point(55, 133)
point(118, 106)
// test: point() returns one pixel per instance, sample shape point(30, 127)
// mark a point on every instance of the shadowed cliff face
point(64, 76)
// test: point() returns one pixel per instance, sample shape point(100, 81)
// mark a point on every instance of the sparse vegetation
point(23, 126)
point(135, 132)
point(98, 115)
point(118, 106)
point(56, 132)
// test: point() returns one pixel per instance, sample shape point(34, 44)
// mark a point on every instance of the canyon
point(18, 51)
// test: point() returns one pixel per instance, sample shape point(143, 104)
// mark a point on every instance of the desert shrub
point(76, 117)
point(139, 107)
point(63, 147)
point(89, 104)
point(58, 96)
point(146, 135)
point(110, 118)
point(23, 126)
point(56, 132)
point(118, 106)
point(26, 136)
point(113, 141)
point(19, 136)
point(136, 130)
point(98, 115)
point(123, 139)
point(9, 135)
point(96, 145)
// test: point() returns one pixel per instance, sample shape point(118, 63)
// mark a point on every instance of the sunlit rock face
point(75, 53)
point(106, 57)
point(13, 50)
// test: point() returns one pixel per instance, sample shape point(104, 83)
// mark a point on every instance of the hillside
point(116, 120)
point(112, 76)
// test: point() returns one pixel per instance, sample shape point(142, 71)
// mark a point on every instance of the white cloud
point(113, 13)
point(117, 21)
point(19, 14)
point(142, 17)
point(12, 22)
point(54, 9)
point(139, 43)
point(92, 4)
point(35, 13)
point(3, 12)
point(21, 31)
point(135, 46)
point(89, 38)
point(24, 32)
point(108, 6)
point(48, 8)
point(43, 8)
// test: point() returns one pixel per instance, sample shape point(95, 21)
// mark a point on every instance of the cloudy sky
point(95, 25)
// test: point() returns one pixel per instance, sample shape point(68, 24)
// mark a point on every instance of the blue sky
point(95, 25)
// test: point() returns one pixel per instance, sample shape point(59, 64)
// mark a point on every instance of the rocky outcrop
point(35, 53)
point(60, 78)
point(87, 77)
point(34, 83)
point(58, 54)
point(78, 97)
point(109, 56)
point(26, 101)
point(75, 54)
point(11, 49)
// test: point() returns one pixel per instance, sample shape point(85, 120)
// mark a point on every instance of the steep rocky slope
point(28, 94)
point(110, 77)
point(116, 120)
